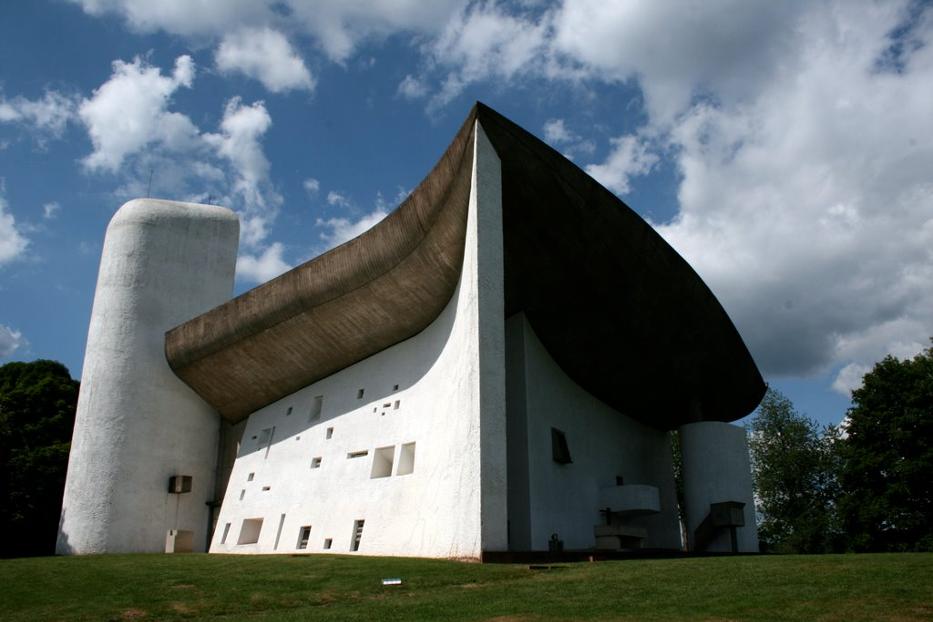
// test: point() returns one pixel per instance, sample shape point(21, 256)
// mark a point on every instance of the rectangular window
point(223, 539)
point(406, 459)
point(357, 535)
point(304, 534)
point(382, 462)
point(250, 477)
point(316, 462)
point(560, 451)
point(330, 433)
point(249, 531)
point(357, 454)
point(317, 407)
point(242, 494)
point(397, 402)
point(328, 542)
point(289, 411)
point(359, 394)
point(266, 488)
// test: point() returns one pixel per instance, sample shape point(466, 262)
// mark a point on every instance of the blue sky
point(784, 149)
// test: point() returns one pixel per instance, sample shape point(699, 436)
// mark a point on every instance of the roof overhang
point(618, 309)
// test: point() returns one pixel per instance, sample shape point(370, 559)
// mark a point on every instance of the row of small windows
point(265, 436)
point(251, 528)
point(317, 404)
point(383, 461)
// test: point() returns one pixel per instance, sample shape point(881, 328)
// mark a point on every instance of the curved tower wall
point(716, 468)
point(163, 262)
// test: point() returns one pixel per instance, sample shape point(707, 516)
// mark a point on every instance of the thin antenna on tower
point(149, 185)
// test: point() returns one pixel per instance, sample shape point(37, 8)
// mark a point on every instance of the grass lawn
point(319, 587)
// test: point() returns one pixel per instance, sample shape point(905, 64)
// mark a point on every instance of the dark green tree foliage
point(678, 461)
point(886, 462)
point(795, 484)
point(37, 409)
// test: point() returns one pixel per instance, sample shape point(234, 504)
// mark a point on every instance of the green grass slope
point(184, 587)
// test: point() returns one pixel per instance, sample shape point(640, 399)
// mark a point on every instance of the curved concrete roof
point(619, 310)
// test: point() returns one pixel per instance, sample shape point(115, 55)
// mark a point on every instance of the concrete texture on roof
point(616, 307)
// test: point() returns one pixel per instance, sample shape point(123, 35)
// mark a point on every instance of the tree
point(887, 458)
point(795, 484)
point(37, 409)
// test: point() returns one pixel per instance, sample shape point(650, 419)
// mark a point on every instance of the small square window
point(383, 458)
point(560, 451)
point(249, 531)
point(316, 462)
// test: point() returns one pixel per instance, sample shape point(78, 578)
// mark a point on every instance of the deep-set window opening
point(304, 534)
point(560, 451)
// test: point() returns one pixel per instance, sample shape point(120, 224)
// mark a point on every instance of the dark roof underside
point(618, 309)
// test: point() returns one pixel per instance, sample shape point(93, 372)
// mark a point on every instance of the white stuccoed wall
point(451, 404)
point(716, 468)
point(603, 443)
point(163, 262)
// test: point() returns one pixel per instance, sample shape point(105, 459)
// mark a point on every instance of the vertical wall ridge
point(486, 217)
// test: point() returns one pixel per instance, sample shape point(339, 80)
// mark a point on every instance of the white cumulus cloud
point(337, 199)
point(311, 185)
point(570, 143)
point(129, 111)
point(338, 27)
point(630, 157)
point(266, 55)
point(50, 210)
point(49, 114)
point(260, 267)
point(239, 143)
point(807, 204)
point(412, 88)
point(12, 241)
point(484, 41)
point(339, 230)
point(10, 340)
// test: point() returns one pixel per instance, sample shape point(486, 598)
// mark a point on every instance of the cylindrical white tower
point(716, 470)
point(137, 425)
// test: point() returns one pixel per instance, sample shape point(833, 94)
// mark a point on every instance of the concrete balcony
point(631, 500)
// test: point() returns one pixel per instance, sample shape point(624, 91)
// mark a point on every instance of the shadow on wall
point(62, 544)
point(302, 410)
